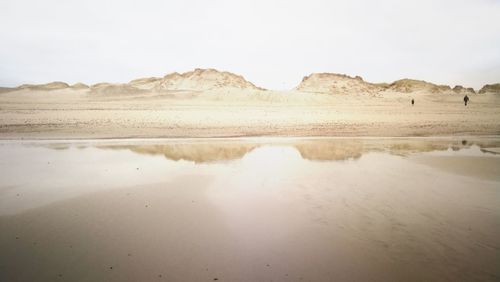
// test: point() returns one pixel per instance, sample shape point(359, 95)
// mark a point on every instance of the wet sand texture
point(250, 211)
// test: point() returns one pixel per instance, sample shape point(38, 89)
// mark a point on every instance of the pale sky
point(271, 43)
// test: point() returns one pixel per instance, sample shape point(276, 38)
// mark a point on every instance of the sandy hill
point(79, 85)
point(114, 89)
point(490, 88)
point(212, 81)
point(56, 85)
point(464, 91)
point(147, 83)
point(197, 80)
point(343, 84)
point(337, 84)
point(48, 86)
point(412, 85)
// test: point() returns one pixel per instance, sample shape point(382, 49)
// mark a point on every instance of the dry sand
point(78, 113)
point(250, 210)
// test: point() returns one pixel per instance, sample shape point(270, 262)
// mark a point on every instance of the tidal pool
point(325, 209)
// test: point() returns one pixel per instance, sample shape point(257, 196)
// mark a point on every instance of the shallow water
point(250, 210)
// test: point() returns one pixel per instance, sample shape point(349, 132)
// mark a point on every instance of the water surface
point(250, 210)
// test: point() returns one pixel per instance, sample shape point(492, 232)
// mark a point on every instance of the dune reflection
point(311, 149)
point(198, 153)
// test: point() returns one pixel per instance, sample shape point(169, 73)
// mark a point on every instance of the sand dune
point(212, 79)
point(344, 84)
point(198, 80)
point(48, 86)
point(338, 84)
point(464, 91)
point(79, 85)
point(411, 85)
point(490, 88)
point(114, 89)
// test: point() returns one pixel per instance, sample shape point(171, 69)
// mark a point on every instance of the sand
point(85, 195)
point(261, 209)
point(77, 113)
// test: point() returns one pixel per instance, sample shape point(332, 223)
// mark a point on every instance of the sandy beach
point(159, 117)
point(203, 176)
point(351, 107)
point(249, 141)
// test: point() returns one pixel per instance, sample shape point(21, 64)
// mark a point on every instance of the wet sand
point(250, 210)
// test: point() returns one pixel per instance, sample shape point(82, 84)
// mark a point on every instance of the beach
point(249, 141)
point(77, 114)
point(250, 209)
point(336, 179)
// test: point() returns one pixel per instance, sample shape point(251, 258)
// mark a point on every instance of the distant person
point(466, 100)
point(412, 102)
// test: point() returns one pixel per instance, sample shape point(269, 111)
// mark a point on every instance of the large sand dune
point(207, 102)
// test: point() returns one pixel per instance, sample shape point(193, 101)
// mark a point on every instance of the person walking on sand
point(466, 100)
point(412, 102)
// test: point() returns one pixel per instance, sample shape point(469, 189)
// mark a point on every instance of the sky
point(273, 44)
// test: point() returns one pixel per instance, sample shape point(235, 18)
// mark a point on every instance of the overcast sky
point(272, 43)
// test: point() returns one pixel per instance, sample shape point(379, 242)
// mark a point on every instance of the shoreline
point(266, 138)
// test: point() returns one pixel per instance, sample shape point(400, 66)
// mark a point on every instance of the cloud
point(272, 43)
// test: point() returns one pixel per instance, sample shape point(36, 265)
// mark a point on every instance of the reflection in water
point(196, 152)
point(312, 149)
point(103, 165)
point(251, 210)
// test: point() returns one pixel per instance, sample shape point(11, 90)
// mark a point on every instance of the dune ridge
point(337, 84)
point(215, 80)
point(197, 80)
point(490, 88)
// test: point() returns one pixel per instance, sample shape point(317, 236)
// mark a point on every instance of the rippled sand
point(250, 210)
